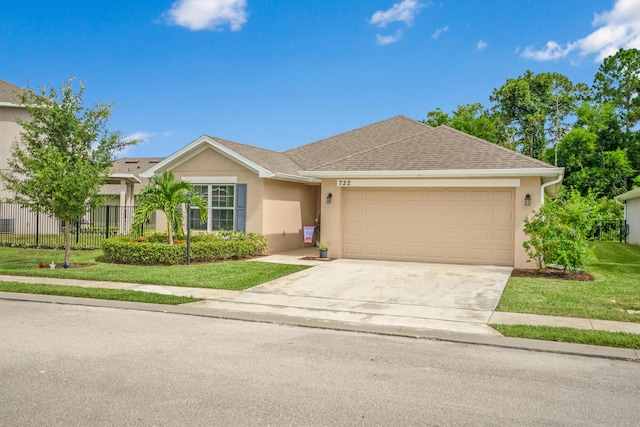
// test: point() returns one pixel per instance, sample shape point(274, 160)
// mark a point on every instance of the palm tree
point(165, 194)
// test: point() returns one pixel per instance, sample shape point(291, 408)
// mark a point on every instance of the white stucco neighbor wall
point(632, 212)
point(9, 134)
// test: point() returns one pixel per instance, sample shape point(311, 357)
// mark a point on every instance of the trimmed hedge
point(205, 247)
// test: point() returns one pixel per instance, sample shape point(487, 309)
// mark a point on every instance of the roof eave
point(550, 173)
point(295, 178)
point(628, 195)
point(116, 178)
point(184, 154)
point(10, 104)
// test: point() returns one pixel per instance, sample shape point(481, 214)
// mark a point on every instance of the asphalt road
point(63, 365)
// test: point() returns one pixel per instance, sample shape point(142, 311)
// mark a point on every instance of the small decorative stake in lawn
point(41, 265)
point(65, 265)
point(52, 265)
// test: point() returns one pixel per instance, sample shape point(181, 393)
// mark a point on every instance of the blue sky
point(283, 73)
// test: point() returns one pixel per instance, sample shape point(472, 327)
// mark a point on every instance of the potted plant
point(323, 249)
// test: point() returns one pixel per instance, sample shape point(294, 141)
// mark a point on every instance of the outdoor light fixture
point(188, 227)
point(527, 200)
point(329, 196)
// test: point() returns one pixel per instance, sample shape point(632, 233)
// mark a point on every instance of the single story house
point(397, 189)
point(631, 201)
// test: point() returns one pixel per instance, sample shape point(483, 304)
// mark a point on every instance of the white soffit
point(210, 179)
point(484, 183)
point(428, 174)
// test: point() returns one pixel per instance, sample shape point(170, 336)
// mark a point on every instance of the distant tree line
point(591, 131)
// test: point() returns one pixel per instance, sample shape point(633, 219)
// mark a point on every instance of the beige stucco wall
point(531, 186)
point(632, 212)
point(287, 207)
point(210, 163)
point(9, 134)
point(333, 216)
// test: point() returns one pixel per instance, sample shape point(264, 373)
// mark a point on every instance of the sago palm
point(165, 194)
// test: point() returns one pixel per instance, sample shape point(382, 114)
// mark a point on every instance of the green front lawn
point(232, 275)
point(579, 336)
point(616, 289)
point(96, 293)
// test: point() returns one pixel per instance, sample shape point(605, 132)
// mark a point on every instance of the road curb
point(503, 342)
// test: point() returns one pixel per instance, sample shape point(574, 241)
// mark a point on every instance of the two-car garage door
point(450, 225)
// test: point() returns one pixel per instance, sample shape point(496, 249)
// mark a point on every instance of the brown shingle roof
point(271, 160)
point(8, 92)
point(441, 148)
point(319, 154)
point(135, 166)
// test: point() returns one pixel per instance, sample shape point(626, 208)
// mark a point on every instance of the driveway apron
point(445, 297)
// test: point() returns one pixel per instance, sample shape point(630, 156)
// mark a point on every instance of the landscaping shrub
point(205, 247)
point(558, 233)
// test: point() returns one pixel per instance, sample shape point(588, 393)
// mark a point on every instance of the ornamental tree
point(64, 154)
point(166, 194)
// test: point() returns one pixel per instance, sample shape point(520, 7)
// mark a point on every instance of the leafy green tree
point(618, 82)
point(166, 194)
point(473, 119)
point(591, 153)
point(64, 154)
point(537, 104)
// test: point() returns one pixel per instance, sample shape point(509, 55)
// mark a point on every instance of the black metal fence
point(21, 227)
point(610, 231)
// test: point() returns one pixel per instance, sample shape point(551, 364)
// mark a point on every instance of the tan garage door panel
point(438, 225)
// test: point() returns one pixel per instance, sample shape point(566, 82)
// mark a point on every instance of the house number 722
point(344, 182)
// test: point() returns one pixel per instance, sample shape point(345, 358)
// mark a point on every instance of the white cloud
point(382, 40)
point(404, 11)
point(142, 136)
point(208, 14)
point(617, 28)
point(551, 51)
point(481, 44)
point(439, 31)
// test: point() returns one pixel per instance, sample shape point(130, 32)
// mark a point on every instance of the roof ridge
point(395, 141)
point(288, 153)
point(484, 141)
point(254, 148)
point(357, 129)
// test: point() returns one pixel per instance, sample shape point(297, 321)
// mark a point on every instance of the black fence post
point(37, 230)
point(106, 233)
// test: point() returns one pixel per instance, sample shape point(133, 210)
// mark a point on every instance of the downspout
point(544, 186)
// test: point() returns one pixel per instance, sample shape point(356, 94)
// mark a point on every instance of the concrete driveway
point(445, 297)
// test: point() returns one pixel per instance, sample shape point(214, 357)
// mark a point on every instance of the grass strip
point(570, 335)
point(96, 293)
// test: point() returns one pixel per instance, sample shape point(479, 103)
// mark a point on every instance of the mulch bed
point(552, 273)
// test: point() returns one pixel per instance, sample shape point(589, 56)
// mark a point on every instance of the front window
point(221, 202)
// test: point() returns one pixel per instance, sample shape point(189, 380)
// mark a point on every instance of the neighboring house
point(122, 185)
point(10, 112)
point(395, 190)
point(125, 181)
point(631, 201)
